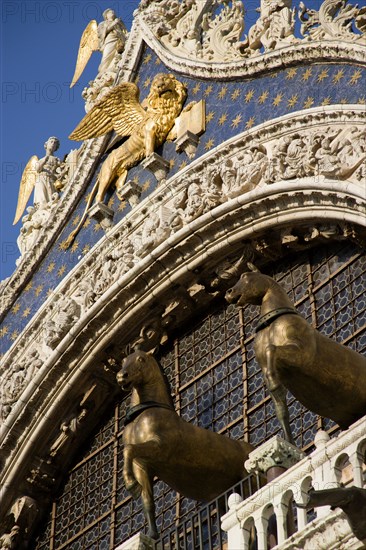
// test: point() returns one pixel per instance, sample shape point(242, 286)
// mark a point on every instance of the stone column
point(356, 459)
point(324, 476)
point(235, 534)
point(272, 459)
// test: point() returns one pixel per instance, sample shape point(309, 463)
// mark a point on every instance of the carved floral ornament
point(300, 163)
point(214, 31)
point(208, 32)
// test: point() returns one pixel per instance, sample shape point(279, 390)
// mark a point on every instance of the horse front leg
point(130, 480)
point(148, 451)
point(277, 392)
point(147, 494)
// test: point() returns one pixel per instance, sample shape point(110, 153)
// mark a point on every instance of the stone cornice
point(297, 54)
point(133, 223)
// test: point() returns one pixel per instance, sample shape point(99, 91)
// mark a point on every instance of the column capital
point(276, 452)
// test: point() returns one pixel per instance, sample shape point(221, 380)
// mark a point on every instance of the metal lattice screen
point(217, 384)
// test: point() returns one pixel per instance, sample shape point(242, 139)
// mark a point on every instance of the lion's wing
point(118, 110)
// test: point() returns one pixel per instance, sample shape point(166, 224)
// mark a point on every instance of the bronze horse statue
point(327, 377)
point(196, 462)
point(352, 500)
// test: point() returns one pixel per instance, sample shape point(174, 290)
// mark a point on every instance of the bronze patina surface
point(196, 462)
point(325, 376)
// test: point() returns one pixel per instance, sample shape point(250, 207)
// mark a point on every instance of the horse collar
point(269, 317)
point(134, 412)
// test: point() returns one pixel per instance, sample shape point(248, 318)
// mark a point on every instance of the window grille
point(216, 383)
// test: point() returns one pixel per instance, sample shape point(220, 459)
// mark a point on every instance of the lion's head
point(166, 92)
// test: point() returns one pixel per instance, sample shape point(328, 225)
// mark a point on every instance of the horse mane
point(162, 373)
point(166, 381)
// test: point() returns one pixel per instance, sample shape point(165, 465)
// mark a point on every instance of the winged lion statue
point(147, 125)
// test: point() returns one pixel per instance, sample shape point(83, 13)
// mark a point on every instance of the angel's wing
point(88, 44)
point(27, 184)
point(118, 110)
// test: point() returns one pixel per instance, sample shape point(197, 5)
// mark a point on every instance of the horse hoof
point(153, 534)
point(134, 488)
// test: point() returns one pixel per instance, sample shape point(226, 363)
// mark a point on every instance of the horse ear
point(252, 267)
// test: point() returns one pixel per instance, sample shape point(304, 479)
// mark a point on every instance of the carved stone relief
point(19, 524)
point(320, 147)
point(274, 28)
point(212, 31)
point(197, 28)
point(33, 223)
point(334, 19)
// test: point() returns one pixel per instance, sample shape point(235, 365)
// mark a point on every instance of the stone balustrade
point(272, 510)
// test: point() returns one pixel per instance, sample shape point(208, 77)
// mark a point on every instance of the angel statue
point(109, 37)
point(148, 125)
point(40, 175)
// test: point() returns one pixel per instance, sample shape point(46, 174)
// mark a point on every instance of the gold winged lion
point(148, 125)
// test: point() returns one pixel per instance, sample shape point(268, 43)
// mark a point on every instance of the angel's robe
point(45, 183)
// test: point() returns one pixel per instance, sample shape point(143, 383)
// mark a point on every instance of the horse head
point(133, 371)
point(249, 289)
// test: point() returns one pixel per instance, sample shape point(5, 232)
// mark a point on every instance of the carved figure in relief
point(68, 432)
point(293, 158)
point(120, 110)
point(195, 203)
point(197, 463)
point(335, 18)
point(229, 176)
point(116, 263)
point(253, 167)
point(16, 379)
point(109, 37)
point(10, 540)
point(212, 195)
point(67, 311)
point(85, 295)
point(40, 175)
point(333, 157)
point(197, 28)
point(327, 159)
point(327, 377)
point(274, 28)
point(240, 175)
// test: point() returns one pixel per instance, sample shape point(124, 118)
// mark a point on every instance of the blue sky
point(39, 45)
point(40, 40)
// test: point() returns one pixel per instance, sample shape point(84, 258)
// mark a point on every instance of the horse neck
point(154, 389)
point(274, 297)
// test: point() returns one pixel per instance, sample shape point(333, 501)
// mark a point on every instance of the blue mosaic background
point(231, 108)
